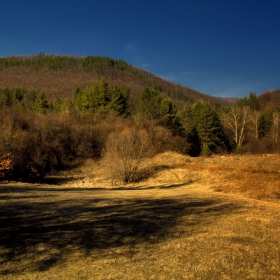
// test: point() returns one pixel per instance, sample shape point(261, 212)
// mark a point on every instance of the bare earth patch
point(190, 218)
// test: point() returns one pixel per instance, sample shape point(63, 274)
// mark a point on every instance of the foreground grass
point(162, 231)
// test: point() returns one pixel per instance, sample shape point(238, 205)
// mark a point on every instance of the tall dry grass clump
point(124, 152)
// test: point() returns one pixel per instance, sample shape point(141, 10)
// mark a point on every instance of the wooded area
point(44, 131)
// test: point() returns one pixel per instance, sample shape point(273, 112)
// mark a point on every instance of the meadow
point(188, 218)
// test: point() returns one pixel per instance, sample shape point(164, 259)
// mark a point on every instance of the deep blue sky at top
point(219, 47)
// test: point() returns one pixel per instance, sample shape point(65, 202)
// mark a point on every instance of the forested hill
point(59, 76)
point(58, 111)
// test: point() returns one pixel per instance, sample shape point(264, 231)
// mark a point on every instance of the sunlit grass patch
point(171, 225)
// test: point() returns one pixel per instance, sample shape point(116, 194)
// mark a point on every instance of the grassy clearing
point(172, 226)
point(253, 176)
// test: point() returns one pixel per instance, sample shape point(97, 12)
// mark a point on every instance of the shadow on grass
point(58, 180)
point(142, 174)
point(51, 189)
point(162, 187)
point(150, 171)
point(46, 225)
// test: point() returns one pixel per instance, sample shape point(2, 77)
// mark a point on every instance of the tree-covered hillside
point(58, 75)
point(56, 111)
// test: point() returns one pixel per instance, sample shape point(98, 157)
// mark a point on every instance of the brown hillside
point(62, 82)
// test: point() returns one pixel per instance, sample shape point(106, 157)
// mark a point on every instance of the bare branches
point(124, 151)
point(237, 119)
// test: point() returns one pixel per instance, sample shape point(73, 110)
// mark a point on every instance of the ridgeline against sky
point(221, 48)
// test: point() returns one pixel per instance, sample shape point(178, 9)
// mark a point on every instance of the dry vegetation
point(62, 83)
point(177, 217)
point(172, 225)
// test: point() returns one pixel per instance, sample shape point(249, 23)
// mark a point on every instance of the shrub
point(124, 152)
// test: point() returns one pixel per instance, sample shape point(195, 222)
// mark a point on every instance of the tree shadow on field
point(40, 227)
point(150, 171)
point(153, 187)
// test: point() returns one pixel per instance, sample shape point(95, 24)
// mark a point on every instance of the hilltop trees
point(44, 132)
point(251, 101)
point(91, 64)
point(102, 97)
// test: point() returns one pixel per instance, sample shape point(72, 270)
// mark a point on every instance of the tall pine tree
point(207, 124)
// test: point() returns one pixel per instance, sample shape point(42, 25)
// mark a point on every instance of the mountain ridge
point(59, 75)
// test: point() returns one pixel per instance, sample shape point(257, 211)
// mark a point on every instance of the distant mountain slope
point(58, 76)
point(270, 99)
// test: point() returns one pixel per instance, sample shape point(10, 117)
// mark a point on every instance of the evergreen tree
point(118, 100)
point(101, 97)
point(87, 98)
point(208, 126)
point(266, 121)
point(4, 97)
point(150, 105)
point(160, 111)
point(57, 104)
point(41, 103)
point(103, 93)
point(29, 99)
point(253, 101)
point(186, 117)
point(169, 117)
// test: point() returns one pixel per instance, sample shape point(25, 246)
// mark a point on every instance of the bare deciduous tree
point(255, 120)
point(237, 119)
point(275, 125)
point(124, 152)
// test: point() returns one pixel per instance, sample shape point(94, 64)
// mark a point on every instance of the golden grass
point(254, 176)
point(171, 226)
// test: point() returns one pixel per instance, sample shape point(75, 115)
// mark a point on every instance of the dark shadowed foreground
point(182, 231)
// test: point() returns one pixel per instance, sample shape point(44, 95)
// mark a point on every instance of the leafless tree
point(237, 120)
point(275, 125)
point(124, 152)
point(255, 121)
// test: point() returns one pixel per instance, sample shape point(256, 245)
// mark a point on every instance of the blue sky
point(223, 48)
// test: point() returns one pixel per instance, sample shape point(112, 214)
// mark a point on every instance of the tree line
point(41, 135)
point(56, 62)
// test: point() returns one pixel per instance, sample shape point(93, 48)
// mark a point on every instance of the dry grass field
point(189, 218)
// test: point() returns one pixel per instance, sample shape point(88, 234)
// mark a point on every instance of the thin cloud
point(130, 48)
point(132, 52)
